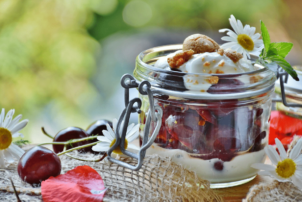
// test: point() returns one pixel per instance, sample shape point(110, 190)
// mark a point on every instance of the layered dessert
point(220, 138)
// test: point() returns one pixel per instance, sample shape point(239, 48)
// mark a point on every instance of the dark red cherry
point(68, 134)
point(218, 165)
point(38, 164)
point(97, 128)
point(226, 86)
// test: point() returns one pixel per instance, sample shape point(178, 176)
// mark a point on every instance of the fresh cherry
point(38, 164)
point(218, 165)
point(97, 128)
point(69, 134)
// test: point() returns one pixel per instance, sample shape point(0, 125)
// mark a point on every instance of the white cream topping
point(208, 63)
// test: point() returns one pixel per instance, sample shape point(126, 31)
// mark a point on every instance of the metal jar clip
point(154, 114)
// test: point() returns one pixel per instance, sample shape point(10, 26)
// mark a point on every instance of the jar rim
point(144, 70)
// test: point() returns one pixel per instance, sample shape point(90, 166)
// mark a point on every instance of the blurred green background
point(61, 60)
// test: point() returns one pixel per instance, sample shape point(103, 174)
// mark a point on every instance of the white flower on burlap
point(284, 168)
point(9, 129)
point(109, 138)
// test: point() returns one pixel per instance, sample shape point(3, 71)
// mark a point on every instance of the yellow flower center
point(6, 138)
point(246, 41)
point(286, 168)
point(118, 149)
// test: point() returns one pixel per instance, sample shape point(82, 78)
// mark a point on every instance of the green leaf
point(265, 37)
point(285, 65)
point(281, 48)
point(272, 51)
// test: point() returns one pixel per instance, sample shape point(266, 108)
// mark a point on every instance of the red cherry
point(38, 164)
point(97, 128)
point(68, 134)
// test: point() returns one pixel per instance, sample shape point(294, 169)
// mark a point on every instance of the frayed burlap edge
point(159, 179)
point(276, 191)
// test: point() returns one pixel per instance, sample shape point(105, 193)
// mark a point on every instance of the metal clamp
point(283, 77)
point(154, 114)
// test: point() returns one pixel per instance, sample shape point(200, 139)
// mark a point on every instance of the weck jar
point(218, 132)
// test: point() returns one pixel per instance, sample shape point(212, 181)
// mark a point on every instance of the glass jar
point(218, 133)
point(293, 94)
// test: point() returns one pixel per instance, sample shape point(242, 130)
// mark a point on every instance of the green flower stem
point(79, 147)
point(70, 141)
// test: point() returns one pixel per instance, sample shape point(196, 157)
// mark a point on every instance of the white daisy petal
point(228, 45)
point(14, 122)
point(227, 38)
point(98, 148)
point(2, 160)
point(272, 154)
point(240, 26)
point(109, 135)
point(130, 128)
point(265, 173)
point(16, 151)
point(114, 124)
point(8, 118)
point(8, 156)
point(133, 131)
point(298, 160)
point(132, 146)
point(255, 36)
point(297, 181)
point(19, 126)
point(281, 149)
point(246, 29)
point(225, 30)
point(252, 31)
point(2, 117)
point(17, 135)
point(103, 139)
point(232, 34)
point(133, 137)
point(294, 153)
point(262, 166)
point(234, 24)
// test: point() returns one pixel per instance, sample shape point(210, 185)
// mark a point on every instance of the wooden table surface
point(239, 193)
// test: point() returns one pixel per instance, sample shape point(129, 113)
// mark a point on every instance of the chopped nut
point(220, 51)
point(218, 71)
point(221, 64)
point(180, 58)
point(201, 122)
point(212, 79)
point(202, 91)
point(210, 72)
point(202, 59)
point(200, 44)
point(214, 60)
point(195, 82)
point(255, 79)
point(233, 55)
point(206, 64)
point(235, 68)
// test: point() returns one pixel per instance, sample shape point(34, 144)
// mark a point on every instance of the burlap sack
point(158, 180)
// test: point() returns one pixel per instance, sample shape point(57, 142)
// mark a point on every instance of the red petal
point(80, 184)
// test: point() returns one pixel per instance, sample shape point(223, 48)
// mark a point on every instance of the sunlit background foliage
point(61, 60)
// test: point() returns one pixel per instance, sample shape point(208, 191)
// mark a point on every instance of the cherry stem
point(45, 133)
point(79, 147)
point(70, 141)
point(94, 160)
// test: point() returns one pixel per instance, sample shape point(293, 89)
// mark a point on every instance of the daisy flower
point(244, 40)
point(9, 129)
point(109, 138)
point(285, 168)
